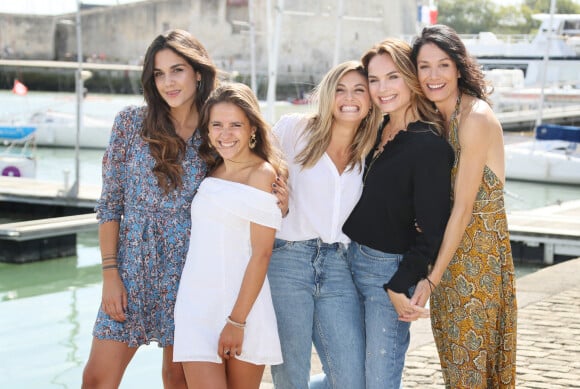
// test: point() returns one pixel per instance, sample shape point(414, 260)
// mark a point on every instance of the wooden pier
point(32, 191)
point(41, 236)
point(36, 240)
point(555, 228)
point(526, 119)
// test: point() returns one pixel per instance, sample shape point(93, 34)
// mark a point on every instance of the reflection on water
point(521, 195)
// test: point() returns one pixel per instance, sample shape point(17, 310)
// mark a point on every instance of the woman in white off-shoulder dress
point(225, 326)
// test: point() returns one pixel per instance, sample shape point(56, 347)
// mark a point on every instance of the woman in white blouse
point(312, 289)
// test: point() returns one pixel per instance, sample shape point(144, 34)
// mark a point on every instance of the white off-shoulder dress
point(219, 252)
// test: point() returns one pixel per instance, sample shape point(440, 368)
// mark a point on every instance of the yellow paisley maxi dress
point(474, 309)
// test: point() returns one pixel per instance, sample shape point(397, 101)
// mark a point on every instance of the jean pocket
point(378, 255)
point(280, 244)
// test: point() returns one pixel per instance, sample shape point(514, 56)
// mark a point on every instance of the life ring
point(11, 171)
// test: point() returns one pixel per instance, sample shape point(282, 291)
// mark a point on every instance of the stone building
point(312, 34)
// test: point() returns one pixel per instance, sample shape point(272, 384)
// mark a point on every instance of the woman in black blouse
point(397, 226)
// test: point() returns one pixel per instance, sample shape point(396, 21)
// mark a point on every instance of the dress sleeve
point(111, 203)
point(432, 202)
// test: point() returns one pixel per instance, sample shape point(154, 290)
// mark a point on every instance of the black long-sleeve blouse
point(408, 184)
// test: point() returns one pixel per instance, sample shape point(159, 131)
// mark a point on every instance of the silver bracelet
point(235, 323)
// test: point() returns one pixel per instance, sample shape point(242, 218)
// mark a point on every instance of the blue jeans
point(316, 302)
point(387, 338)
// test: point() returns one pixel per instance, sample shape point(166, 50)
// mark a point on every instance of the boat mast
point(545, 63)
point(273, 49)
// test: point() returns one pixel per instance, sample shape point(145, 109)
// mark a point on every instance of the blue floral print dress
point(154, 231)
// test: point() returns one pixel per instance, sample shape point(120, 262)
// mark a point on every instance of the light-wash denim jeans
point(387, 338)
point(316, 302)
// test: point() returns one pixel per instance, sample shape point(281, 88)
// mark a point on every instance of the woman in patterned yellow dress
point(473, 302)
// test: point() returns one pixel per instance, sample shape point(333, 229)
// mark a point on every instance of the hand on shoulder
point(262, 176)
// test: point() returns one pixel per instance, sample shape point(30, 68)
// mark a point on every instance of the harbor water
point(47, 309)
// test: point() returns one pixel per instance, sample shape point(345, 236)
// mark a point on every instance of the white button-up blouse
point(320, 199)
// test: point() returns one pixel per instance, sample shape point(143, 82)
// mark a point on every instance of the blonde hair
point(400, 53)
point(318, 131)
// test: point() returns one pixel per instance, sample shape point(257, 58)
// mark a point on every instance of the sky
point(50, 7)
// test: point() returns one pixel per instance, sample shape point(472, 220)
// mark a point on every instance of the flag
point(19, 88)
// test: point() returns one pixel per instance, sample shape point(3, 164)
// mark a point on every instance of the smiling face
point(387, 86)
point(175, 79)
point(230, 132)
point(438, 75)
point(352, 99)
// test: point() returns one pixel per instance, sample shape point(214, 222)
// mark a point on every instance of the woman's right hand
point(114, 298)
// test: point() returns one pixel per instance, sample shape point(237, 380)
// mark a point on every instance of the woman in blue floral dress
point(151, 171)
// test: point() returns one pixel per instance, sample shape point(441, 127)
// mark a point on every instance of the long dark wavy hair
point(472, 80)
point(400, 53)
point(166, 147)
point(241, 96)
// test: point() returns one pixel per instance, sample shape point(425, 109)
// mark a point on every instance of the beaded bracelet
point(235, 323)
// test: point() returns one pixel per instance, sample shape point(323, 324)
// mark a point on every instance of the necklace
point(248, 162)
point(376, 156)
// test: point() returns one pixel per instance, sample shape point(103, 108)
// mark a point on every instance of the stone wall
point(121, 34)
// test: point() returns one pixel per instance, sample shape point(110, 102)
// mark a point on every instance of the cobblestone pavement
point(548, 354)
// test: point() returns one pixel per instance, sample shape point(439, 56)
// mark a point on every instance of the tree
point(467, 16)
point(474, 16)
point(562, 6)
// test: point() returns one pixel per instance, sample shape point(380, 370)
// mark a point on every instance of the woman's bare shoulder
point(262, 176)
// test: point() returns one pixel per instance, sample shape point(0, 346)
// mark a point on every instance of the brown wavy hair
point(241, 96)
point(472, 80)
point(166, 147)
point(400, 53)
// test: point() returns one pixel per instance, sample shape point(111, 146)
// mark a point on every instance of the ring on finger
point(227, 352)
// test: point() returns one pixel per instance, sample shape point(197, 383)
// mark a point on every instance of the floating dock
point(555, 230)
point(52, 219)
point(526, 119)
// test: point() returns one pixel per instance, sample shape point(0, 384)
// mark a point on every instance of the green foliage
point(562, 6)
point(467, 16)
point(474, 16)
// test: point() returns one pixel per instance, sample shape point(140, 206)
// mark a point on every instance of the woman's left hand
point(230, 342)
point(406, 311)
point(280, 189)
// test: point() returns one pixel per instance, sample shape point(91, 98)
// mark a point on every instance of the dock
point(526, 119)
point(33, 191)
point(555, 229)
point(53, 219)
point(36, 240)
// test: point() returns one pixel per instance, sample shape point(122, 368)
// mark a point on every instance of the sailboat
point(17, 152)
point(552, 156)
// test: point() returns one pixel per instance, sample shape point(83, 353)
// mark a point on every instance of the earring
point(209, 145)
point(253, 141)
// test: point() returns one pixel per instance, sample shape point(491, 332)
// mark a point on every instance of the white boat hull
point(542, 161)
point(57, 129)
point(17, 166)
